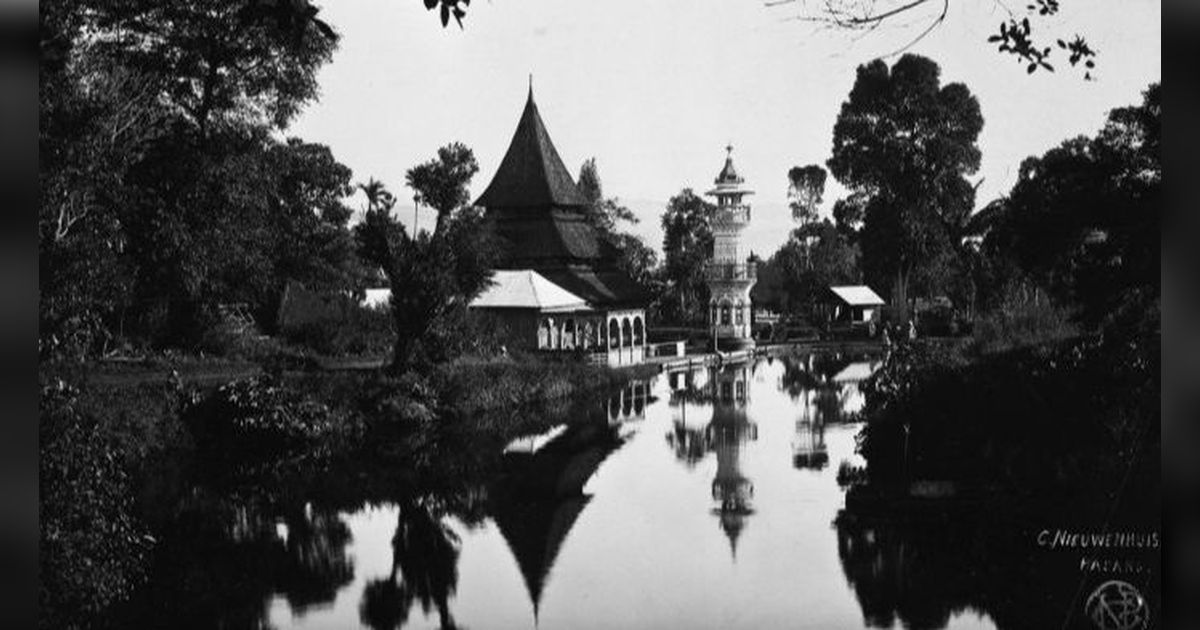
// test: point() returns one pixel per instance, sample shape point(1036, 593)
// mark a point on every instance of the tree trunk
point(900, 295)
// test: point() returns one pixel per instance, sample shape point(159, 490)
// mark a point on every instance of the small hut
point(849, 305)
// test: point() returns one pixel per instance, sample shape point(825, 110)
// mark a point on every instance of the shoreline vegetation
point(117, 452)
point(1067, 421)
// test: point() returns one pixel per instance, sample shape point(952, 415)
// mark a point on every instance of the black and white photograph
point(581, 314)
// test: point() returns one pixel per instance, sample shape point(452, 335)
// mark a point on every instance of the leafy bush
point(93, 551)
point(1060, 417)
point(362, 331)
point(1018, 324)
point(257, 418)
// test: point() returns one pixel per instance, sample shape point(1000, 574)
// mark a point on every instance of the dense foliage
point(687, 247)
point(815, 256)
point(904, 144)
point(93, 550)
point(434, 275)
point(1084, 220)
point(1072, 417)
point(257, 418)
point(607, 214)
point(166, 188)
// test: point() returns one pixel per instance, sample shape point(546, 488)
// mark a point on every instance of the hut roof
point(531, 173)
point(857, 295)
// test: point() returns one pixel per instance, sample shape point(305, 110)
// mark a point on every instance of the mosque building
point(558, 288)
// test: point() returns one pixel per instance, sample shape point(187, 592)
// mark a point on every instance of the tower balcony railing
point(731, 271)
point(733, 214)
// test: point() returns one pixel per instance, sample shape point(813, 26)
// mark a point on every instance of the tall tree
point(815, 256)
point(606, 215)
point(165, 186)
point(687, 247)
point(442, 182)
point(1084, 219)
point(603, 213)
point(433, 276)
point(806, 186)
point(221, 63)
point(904, 144)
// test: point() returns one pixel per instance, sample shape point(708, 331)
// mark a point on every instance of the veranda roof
point(526, 288)
point(857, 295)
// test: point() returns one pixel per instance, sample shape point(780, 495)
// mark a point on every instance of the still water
point(700, 499)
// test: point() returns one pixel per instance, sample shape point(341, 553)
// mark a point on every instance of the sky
point(654, 91)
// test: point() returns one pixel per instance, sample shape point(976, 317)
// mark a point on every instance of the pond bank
point(1066, 419)
point(128, 442)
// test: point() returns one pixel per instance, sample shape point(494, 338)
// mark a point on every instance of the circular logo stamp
point(1118, 605)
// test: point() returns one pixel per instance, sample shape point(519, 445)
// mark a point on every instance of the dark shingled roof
point(531, 173)
point(536, 213)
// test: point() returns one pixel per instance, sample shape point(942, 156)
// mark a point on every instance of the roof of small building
point(376, 298)
point(526, 288)
point(854, 373)
point(531, 173)
point(857, 295)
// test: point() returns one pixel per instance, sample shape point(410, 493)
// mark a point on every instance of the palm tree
point(378, 197)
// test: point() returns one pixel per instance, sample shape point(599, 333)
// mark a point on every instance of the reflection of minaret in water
point(726, 434)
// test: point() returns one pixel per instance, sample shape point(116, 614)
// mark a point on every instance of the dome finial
point(729, 149)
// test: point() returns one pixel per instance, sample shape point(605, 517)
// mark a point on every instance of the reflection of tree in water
point(424, 570)
point(317, 565)
point(921, 566)
point(219, 563)
point(808, 372)
point(808, 379)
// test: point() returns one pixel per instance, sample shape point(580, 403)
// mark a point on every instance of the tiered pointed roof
point(537, 213)
point(531, 173)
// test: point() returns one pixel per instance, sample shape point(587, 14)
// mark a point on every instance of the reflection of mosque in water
point(726, 389)
point(629, 404)
point(534, 501)
point(539, 494)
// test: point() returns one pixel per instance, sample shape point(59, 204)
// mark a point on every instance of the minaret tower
point(730, 274)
